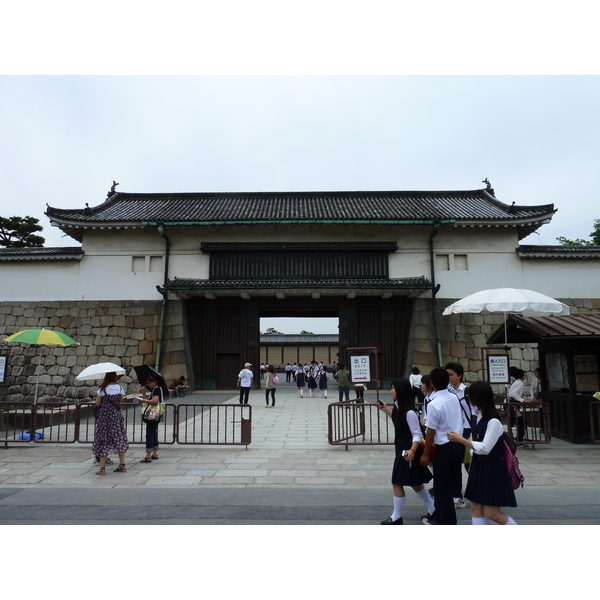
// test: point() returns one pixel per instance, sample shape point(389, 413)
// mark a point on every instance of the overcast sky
point(65, 138)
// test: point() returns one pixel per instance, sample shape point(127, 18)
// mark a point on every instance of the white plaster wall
point(562, 278)
point(108, 270)
point(39, 280)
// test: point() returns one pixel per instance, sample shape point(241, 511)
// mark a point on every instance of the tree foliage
point(594, 241)
point(19, 232)
point(303, 332)
point(271, 331)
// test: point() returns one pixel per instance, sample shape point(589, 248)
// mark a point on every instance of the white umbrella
point(509, 300)
point(98, 371)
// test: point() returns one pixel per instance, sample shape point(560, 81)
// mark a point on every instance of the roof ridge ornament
point(112, 190)
point(488, 187)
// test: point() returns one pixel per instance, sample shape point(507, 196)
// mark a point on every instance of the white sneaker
point(459, 503)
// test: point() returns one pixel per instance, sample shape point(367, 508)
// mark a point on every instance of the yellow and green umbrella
point(43, 337)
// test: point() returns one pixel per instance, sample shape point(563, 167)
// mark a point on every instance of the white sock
point(510, 521)
point(325, 392)
point(398, 506)
point(424, 495)
point(479, 520)
point(301, 392)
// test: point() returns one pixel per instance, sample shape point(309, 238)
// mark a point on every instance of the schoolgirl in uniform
point(489, 486)
point(407, 441)
point(300, 381)
point(312, 382)
point(323, 381)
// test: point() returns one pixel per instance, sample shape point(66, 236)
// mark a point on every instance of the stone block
point(145, 347)
point(458, 349)
point(144, 321)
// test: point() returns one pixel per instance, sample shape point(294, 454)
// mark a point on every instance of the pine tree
point(18, 232)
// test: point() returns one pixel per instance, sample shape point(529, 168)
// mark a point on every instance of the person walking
point(110, 436)
point(244, 382)
point(323, 381)
point(343, 379)
point(288, 373)
point(443, 414)
point(312, 381)
point(460, 390)
point(300, 381)
point(156, 396)
point(489, 486)
point(270, 386)
point(407, 443)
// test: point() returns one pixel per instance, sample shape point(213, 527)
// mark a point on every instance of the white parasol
point(99, 370)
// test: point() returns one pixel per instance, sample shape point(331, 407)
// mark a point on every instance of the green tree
point(306, 332)
point(595, 235)
point(271, 331)
point(19, 232)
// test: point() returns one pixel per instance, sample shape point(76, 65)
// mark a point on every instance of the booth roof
point(524, 330)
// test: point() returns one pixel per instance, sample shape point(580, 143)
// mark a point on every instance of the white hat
point(248, 365)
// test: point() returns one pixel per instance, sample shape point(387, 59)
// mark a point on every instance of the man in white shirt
point(459, 389)
point(443, 414)
point(244, 382)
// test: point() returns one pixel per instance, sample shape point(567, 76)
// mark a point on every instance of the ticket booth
point(569, 350)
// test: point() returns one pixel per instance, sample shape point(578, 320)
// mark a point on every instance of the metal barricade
point(527, 420)
point(214, 424)
point(358, 424)
point(134, 426)
point(595, 421)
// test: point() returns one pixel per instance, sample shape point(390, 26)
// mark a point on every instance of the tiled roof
point(124, 209)
point(17, 254)
point(406, 283)
point(579, 252)
point(299, 339)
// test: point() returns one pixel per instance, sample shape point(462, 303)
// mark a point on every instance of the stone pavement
point(289, 474)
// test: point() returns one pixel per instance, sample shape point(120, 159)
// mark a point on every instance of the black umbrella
point(144, 371)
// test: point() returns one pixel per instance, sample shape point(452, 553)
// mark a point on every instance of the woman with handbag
point(156, 397)
point(110, 436)
point(407, 441)
point(489, 486)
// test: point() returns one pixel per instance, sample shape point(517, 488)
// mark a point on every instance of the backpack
point(512, 462)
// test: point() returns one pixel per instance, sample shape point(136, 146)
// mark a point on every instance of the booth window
point(586, 373)
point(558, 376)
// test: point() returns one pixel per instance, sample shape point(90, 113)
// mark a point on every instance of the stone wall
point(123, 332)
point(463, 336)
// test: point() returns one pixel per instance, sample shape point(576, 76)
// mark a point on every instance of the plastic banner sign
point(360, 369)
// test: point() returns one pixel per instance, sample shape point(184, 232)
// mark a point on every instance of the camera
point(404, 453)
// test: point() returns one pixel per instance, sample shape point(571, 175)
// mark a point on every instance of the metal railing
point(68, 423)
point(595, 421)
point(208, 424)
point(358, 424)
point(532, 417)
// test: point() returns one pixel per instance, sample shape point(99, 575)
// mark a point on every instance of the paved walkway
point(288, 474)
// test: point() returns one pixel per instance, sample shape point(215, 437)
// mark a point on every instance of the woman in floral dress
point(110, 436)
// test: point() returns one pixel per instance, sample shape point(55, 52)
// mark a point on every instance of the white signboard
point(498, 368)
point(360, 369)
point(2, 367)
